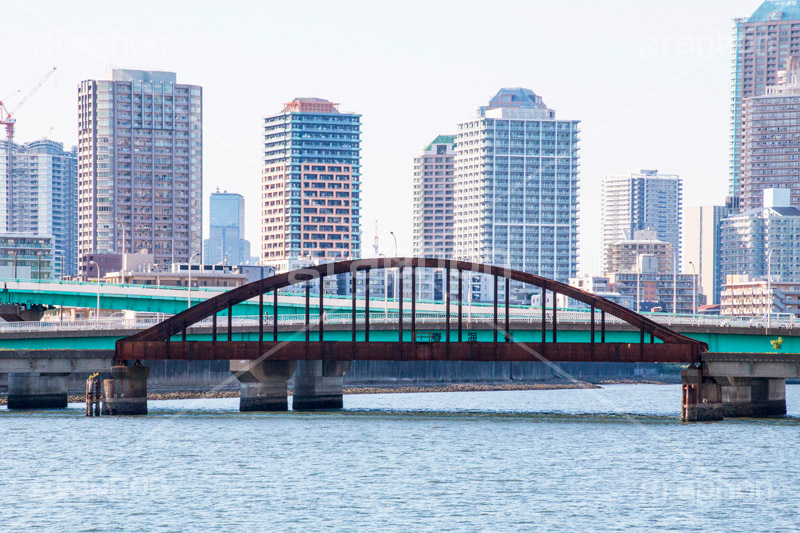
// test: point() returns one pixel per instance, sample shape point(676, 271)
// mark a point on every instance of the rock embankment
point(397, 389)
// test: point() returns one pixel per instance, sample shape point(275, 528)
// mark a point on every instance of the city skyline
point(681, 56)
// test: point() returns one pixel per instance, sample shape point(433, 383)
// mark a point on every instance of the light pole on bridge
point(385, 293)
point(694, 289)
point(769, 288)
point(122, 259)
point(97, 311)
point(674, 282)
point(394, 274)
point(638, 275)
point(189, 295)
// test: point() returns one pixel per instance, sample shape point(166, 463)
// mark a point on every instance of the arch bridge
point(168, 339)
point(316, 355)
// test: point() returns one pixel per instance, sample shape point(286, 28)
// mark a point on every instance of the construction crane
point(7, 119)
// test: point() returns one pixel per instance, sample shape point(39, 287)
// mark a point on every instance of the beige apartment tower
point(771, 140)
point(433, 198)
point(140, 166)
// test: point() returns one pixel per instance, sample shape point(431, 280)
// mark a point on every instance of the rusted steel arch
point(180, 322)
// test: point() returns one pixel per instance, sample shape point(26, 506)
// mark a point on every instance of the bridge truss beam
point(157, 342)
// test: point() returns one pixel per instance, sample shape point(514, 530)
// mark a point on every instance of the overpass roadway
point(101, 335)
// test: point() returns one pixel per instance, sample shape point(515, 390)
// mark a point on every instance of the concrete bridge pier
point(753, 397)
point(37, 390)
point(318, 385)
point(716, 397)
point(263, 384)
point(126, 392)
point(702, 397)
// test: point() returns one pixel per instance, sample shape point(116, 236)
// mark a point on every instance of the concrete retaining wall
point(212, 374)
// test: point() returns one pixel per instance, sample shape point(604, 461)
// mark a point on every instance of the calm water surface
point(611, 459)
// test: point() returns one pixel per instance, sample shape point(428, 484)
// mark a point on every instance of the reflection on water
point(613, 458)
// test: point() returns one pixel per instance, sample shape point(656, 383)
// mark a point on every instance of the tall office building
point(40, 196)
point(762, 241)
point(226, 243)
point(762, 45)
point(642, 200)
point(433, 198)
point(770, 151)
point(701, 248)
point(516, 187)
point(140, 166)
point(311, 183)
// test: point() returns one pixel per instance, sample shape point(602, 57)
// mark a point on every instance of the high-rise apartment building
point(642, 200)
point(770, 150)
point(762, 241)
point(140, 165)
point(701, 247)
point(516, 187)
point(39, 196)
point(763, 44)
point(434, 169)
point(311, 183)
point(226, 243)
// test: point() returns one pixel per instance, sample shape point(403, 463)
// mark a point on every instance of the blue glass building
point(226, 243)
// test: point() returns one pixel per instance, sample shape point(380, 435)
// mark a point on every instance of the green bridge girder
point(147, 303)
point(718, 341)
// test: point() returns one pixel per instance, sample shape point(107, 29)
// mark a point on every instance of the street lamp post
point(14, 253)
point(694, 289)
point(385, 293)
point(469, 300)
point(394, 274)
point(189, 296)
point(39, 266)
point(638, 275)
point(674, 283)
point(769, 289)
point(97, 312)
point(119, 223)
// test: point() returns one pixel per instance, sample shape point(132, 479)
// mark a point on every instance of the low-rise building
point(749, 296)
point(597, 285)
point(27, 257)
point(652, 291)
point(90, 263)
point(179, 275)
point(621, 256)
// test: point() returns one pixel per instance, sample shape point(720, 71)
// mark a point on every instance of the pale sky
point(648, 79)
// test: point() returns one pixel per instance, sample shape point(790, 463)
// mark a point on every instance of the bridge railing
point(532, 316)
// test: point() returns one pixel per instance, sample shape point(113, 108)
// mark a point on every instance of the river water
point(616, 459)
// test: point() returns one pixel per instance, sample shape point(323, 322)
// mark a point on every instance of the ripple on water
point(615, 458)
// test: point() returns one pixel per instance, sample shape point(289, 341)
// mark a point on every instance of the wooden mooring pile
point(93, 395)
